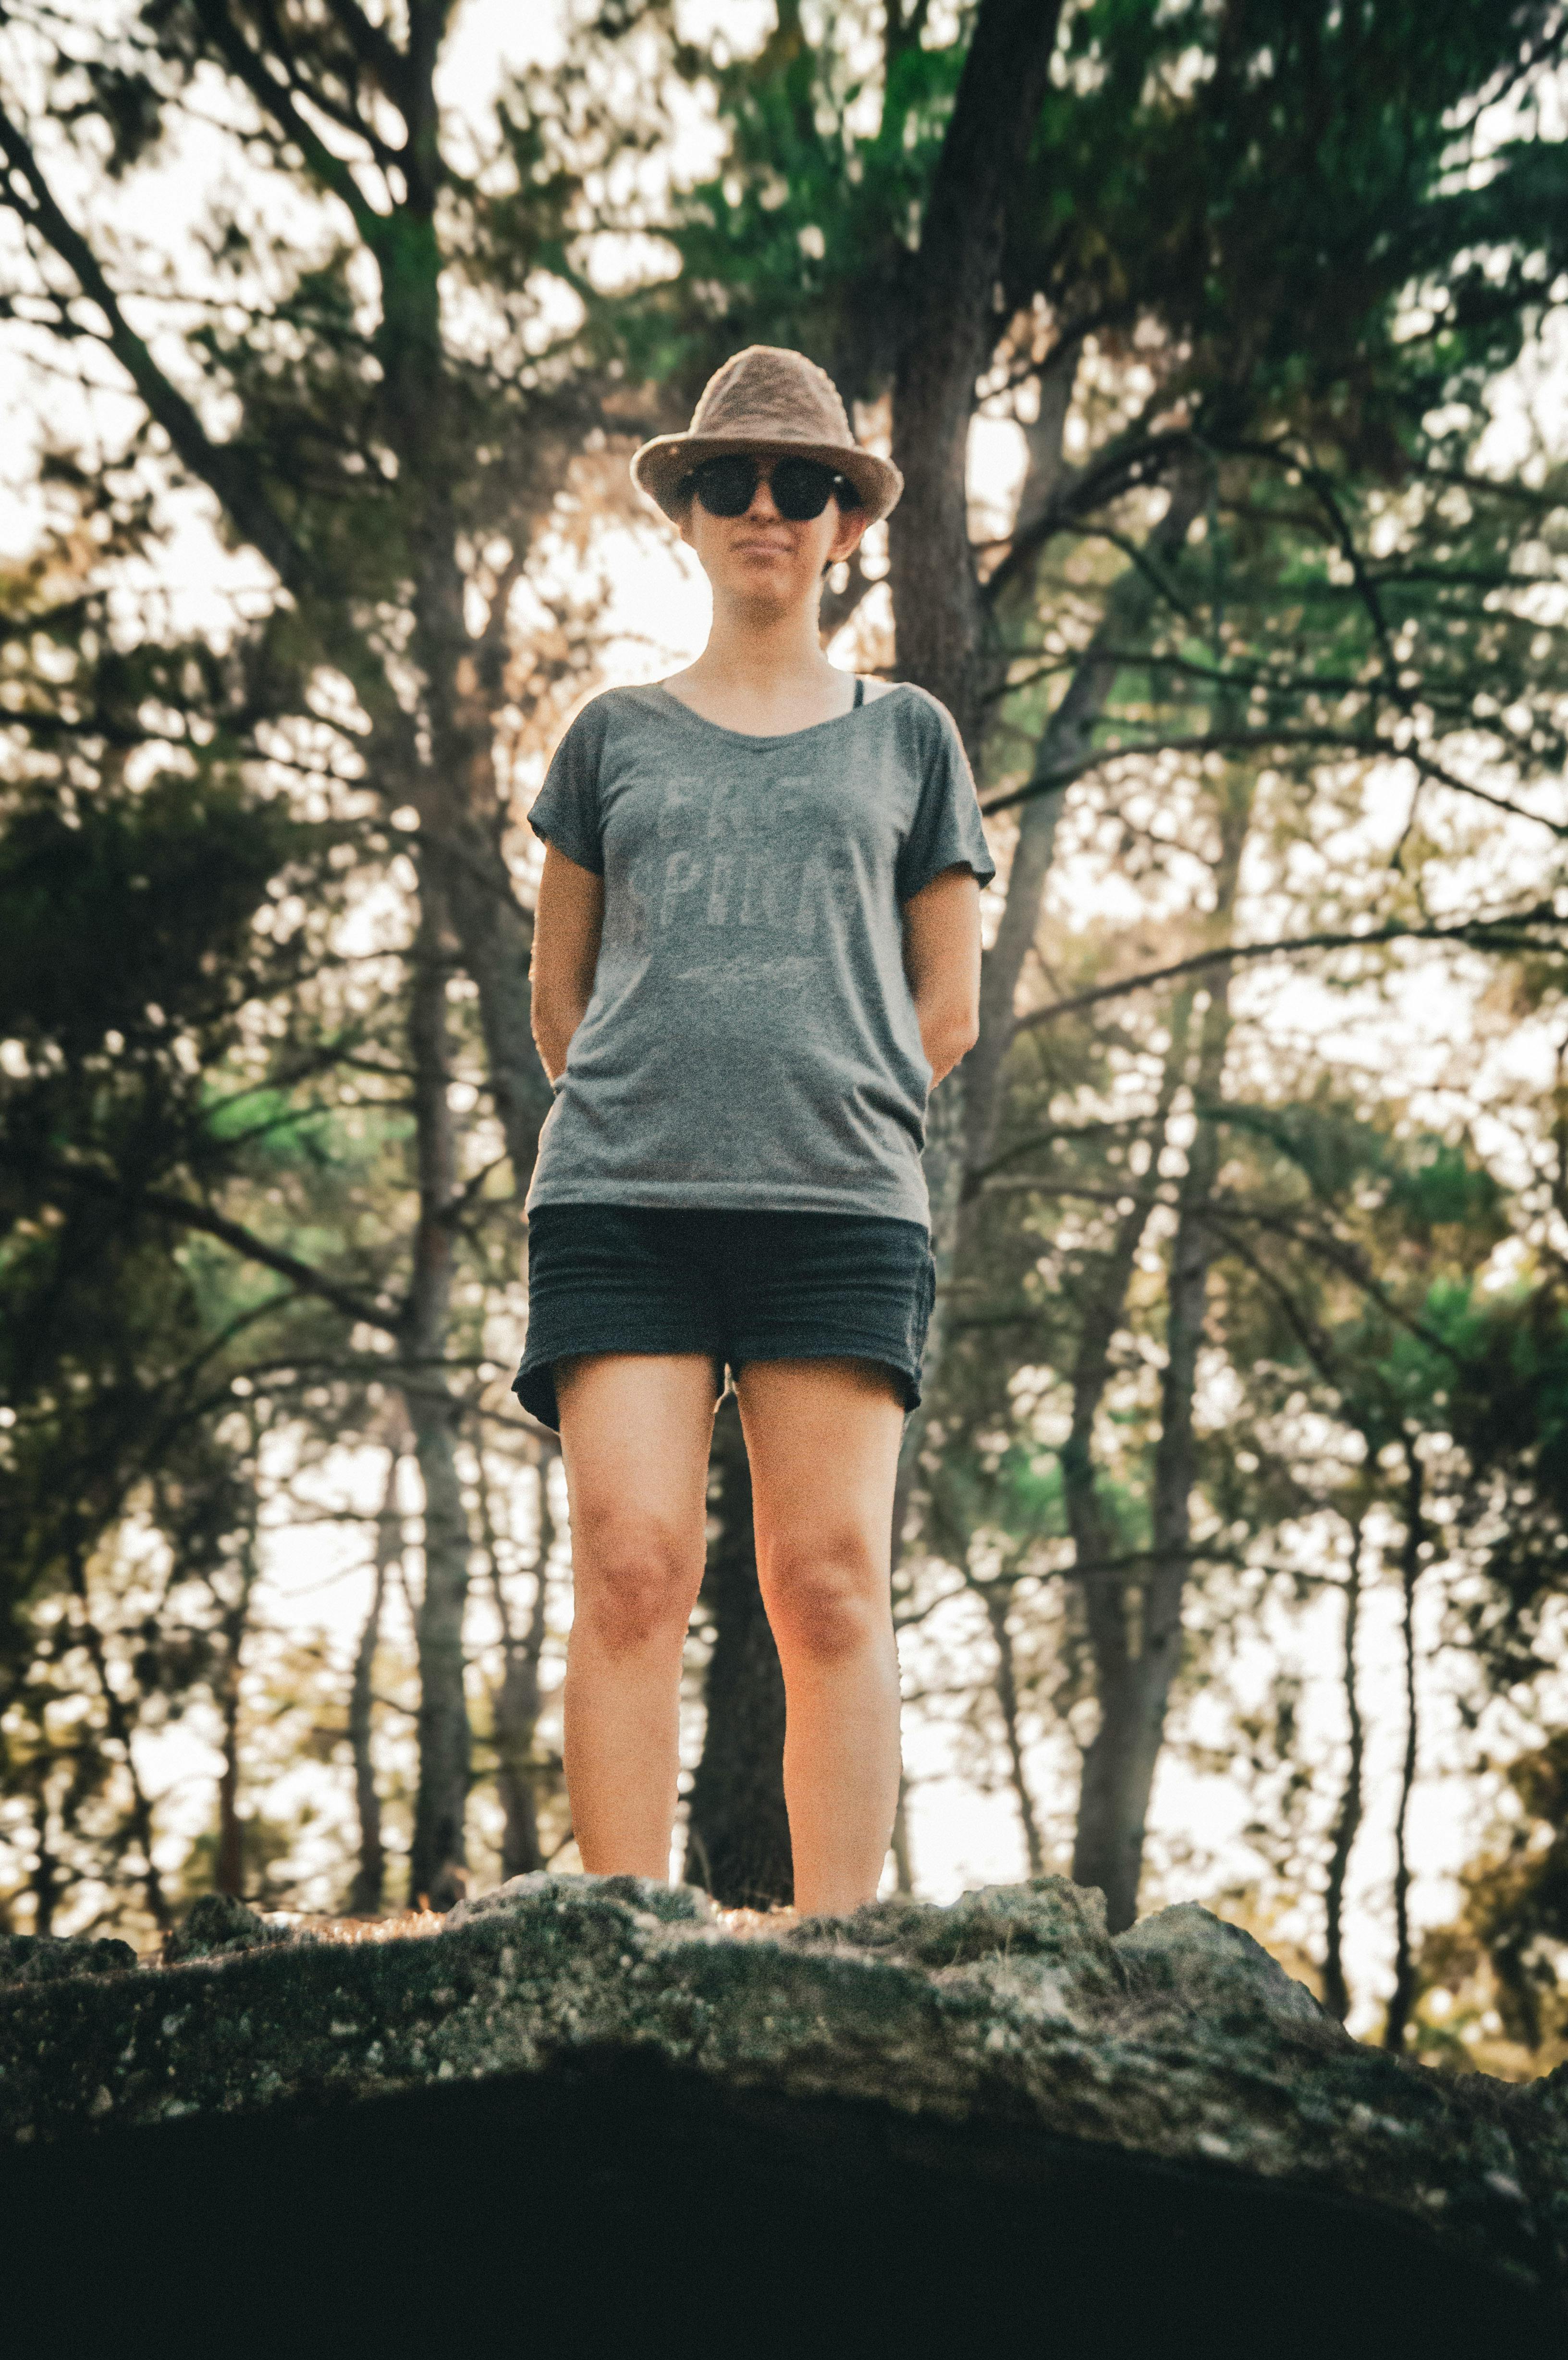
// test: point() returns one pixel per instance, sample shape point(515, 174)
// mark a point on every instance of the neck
point(762, 648)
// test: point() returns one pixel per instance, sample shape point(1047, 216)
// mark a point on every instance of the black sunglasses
point(801, 488)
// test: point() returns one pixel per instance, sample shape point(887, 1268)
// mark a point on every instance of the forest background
point(1220, 342)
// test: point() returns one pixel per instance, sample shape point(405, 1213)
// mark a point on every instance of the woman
point(757, 947)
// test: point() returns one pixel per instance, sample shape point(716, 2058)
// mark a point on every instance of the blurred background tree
point(1207, 341)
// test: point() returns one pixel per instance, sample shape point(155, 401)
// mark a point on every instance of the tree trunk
point(229, 1872)
point(1135, 1671)
point(438, 1858)
point(118, 1723)
point(516, 1703)
point(233, 1622)
point(453, 786)
point(45, 1882)
point(944, 1160)
point(437, 1866)
point(468, 899)
point(998, 1599)
point(1404, 1993)
point(965, 1112)
point(1093, 1543)
point(368, 1894)
point(1107, 1601)
point(1336, 1993)
point(461, 825)
point(1063, 748)
point(947, 336)
point(737, 1838)
point(903, 1864)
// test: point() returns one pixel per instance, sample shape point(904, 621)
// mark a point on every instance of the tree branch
point(229, 472)
point(186, 1213)
point(1109, 477)
point(1480, 934)
point(277, 100)
point(1210, 741)
point(380, 57)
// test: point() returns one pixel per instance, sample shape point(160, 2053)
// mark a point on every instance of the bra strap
point(859, 692)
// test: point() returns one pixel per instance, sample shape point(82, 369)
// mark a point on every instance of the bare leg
point(822, 1438)
point(635, 1435)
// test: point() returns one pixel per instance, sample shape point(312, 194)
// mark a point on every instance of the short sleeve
point(565, 811)
point(946, 830)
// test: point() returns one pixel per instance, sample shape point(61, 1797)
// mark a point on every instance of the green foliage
point(1257, 261)
point(1499, 1961)
point(806, 235)
point(1268, 183)
point(132, 914)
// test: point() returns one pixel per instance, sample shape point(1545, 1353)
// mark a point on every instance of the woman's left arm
point(942, 959)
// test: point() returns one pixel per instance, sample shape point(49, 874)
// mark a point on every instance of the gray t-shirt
point(751, 1040)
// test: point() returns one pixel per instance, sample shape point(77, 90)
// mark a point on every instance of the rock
point(40, 1959)
point(215, 1926)
point(1165, 2110)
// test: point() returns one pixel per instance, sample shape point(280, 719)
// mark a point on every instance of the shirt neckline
point(777, 736)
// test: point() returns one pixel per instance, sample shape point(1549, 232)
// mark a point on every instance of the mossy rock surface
point(1180, 2046)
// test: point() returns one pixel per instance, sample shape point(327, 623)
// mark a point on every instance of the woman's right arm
point(567, 918)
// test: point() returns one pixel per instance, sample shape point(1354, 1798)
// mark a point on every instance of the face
point(765, 560)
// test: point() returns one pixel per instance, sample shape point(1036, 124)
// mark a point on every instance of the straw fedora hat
point(775, 402)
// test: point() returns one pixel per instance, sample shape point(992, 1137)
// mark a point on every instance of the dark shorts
point(737, 1285)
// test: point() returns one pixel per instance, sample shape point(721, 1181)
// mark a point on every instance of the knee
point(634, 1584)
point(826, 1602)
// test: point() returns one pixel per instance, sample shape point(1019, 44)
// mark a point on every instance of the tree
point(400, 468)
point(1260, 574)
point(1246, 375)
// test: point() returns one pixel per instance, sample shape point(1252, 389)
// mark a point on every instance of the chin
point(765, 585)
